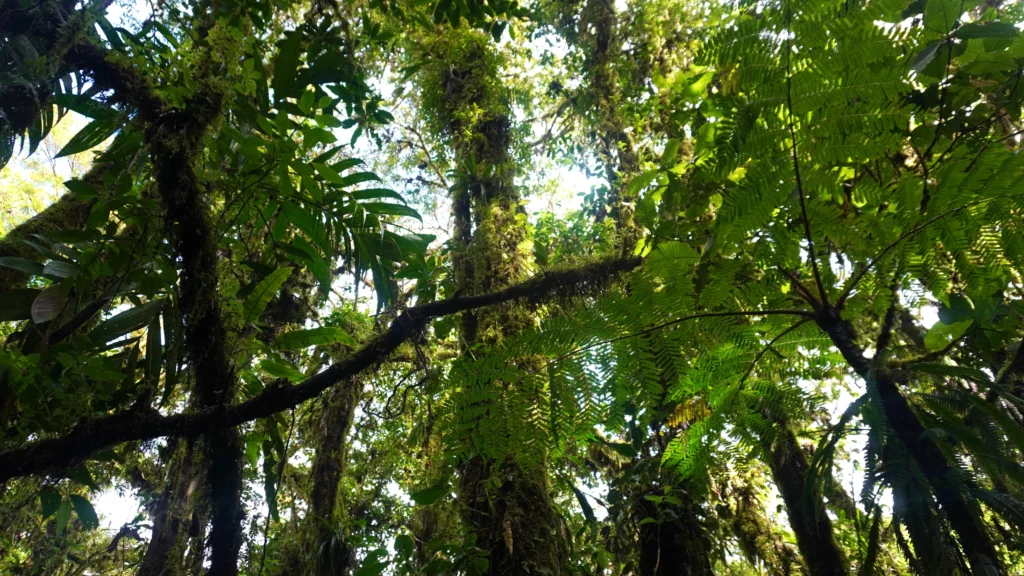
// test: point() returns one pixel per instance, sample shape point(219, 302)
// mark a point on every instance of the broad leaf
point(86, 513)
point(127, 321)
point(263, 293)
point(91, 136)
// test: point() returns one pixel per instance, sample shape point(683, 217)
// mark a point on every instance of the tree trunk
point(329, 463)
point(675, 546)
point(806, 512)
point(965, 520)
point(507, 506)
point(170, 514)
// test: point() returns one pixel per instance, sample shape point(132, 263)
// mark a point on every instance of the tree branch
point(146, 423)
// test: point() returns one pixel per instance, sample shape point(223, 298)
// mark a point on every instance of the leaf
point(430, 495)
point(85, 106)
point(49, 499)
point(282, 369)
point(63, 515)
point(60, 269)
point(127, 321)
point(359, 178)
point(374, 193)
point(154, 349)
point(372, 569)
point(81, 189)
point(941, 15)
point(391, 209)
point(263, 293)
point(92, 135)
point(941, 335)
point(22, 265)
point(328, 173)
point(404, 545)
point(623, 449)
point(299, 339)
point(668, 157)
point(987, 30)
point(86, 513)
point(16, 304)
point(49, 303)
point(286, 64)
point(925, 56)
point(641, 181)
point(81, 475)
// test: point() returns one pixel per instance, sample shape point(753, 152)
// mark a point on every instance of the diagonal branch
point(146, 423)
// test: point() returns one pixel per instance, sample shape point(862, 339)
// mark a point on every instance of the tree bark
point(329, 463)
point(926, 454)
point(806, 512)
point(676, 545)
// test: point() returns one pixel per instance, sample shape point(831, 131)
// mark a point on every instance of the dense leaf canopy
point(652, 287)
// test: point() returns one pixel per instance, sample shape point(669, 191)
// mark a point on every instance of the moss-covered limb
point(743, 511)
point(807, 516)
point(145, 424)
point(174, 145)
point(329, 464)
point(67, 213)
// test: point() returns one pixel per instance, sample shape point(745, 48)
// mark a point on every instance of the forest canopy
point(482, 287)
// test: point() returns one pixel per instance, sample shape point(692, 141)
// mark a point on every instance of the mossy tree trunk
point(331, 554)
point(505, 503)
point(806, 512)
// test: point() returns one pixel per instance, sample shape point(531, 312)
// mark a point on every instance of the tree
point(249, 312)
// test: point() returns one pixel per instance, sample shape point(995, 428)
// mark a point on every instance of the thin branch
point(796, 162)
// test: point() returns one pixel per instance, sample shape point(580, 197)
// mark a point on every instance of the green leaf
point(263, 293)
point(286, 64)
point(63, 515)
point(391, 209)
point(85, 106)
point(430, 495)
point(91, 136)
point(49, 303)
point(941, 15)
point(22, 265)
point(328, 173)
point(941, 335)
point(641, 181)
point(127, 321)
point(623, 449)
point(81, 189)
point(925, 57)
point(81, 475)
point(16, 304)
point(404, 545)
point(987, 30)
point(374, 193)
point(154, 352)
point(49, 499)
point(282, 369)
point(359, 178)
point(299, 339)
point(668, 157)
point(86, 513)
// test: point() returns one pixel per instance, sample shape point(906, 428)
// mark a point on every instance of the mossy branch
point(146, 423)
